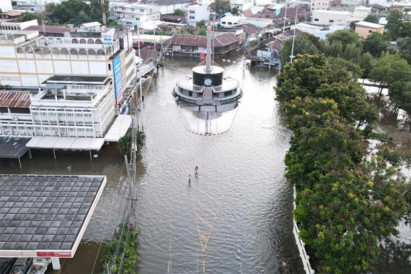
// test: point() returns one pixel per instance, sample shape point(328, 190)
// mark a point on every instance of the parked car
point(6, 264)
point(21, 266)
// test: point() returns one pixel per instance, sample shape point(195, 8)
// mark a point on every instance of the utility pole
point(103, 12)
point(295, 24)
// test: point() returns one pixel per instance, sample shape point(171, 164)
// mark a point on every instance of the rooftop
point(220, 40)
point(76, 79)
point(50, 29)
point(368, 25)
point(13, 148)
point(46, 215)
point(13, 99)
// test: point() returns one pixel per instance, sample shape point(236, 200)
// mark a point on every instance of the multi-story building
point(66, 106)
point(136, 11)
point(198, 11)
point(320, 4)
point(28, 59)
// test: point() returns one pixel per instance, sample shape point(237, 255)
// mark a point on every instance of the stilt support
point(55, 263)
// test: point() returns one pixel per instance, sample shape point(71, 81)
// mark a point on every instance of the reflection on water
point(208, 120)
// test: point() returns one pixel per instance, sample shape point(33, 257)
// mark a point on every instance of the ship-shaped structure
point(208, 86)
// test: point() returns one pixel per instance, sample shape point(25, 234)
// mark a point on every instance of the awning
point(66, 143)
point(119, 128)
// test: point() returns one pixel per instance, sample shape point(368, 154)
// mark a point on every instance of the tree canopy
point(394, 22)
point(372, 18)
point(304, 44)
point(345, 204)
point(375, 44)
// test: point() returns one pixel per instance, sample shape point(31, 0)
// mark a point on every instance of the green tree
point(179, 12)
point(372, 18)
point(352, 52)
point(345, 205)
point(365, 63)
point(394, 21)
point(336, 63)
point(303, 44)
point(202, 31)
point(375, 44)
point(28, 16)
point(389, 69)
point(201, 24)
point(405, 30)
point(221, 6)
point(69, 12)
point(405, 49)
point(346, 37)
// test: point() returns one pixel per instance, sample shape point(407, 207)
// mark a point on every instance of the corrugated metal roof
point(15, 99)
point(220, 40)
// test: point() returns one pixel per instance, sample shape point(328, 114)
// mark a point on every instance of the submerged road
point(236, 217)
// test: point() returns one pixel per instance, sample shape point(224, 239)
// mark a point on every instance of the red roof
point(13, 99)
point(220, 40)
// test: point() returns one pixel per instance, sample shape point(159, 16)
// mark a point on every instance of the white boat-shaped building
point(208, 86)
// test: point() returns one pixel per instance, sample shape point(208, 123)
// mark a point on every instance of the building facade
point(364, 29)
point(135, 11)
point(198, 11)
point(320, 4)
point(67, 106)
point(28, 59)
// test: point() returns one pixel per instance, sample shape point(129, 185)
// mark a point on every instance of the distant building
point(10, 15)
point(28, 59)
point(320, 4)
point(364, 29)
point(135, 11)
point(241, 4)
point(196, 45)
point(168, 6)
point(198, 11)
point(230, 21)
point(336, 17)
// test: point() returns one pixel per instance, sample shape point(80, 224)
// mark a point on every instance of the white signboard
point(108, 37)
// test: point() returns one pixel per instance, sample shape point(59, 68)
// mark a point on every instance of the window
point(316, 19)
point(109, 67)
point(331, 21)
point(192, 17)
point(141, 10)
point(369, 31)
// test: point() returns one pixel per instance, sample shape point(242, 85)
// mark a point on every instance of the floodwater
point(235, 217)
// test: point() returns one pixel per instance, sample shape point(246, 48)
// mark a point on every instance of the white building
point(67, 106)
point(360, 13)
point(198, 11)
point(5, 5)
point(241, 4)
point(351, 2)
point(320, 4)
point(334, 17)
point(135, 11)
point(230, 21)
point(28, 59)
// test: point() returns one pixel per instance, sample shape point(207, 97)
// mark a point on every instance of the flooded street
point(236, 215)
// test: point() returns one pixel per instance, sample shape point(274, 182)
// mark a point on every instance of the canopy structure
point(66, 143)
point(13, 148)
point(46, 215)
point(119, 128)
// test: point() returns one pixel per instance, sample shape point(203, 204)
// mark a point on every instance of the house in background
point(198, 11)
point(363, 29)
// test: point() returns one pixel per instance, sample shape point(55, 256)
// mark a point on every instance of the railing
point(300, 244)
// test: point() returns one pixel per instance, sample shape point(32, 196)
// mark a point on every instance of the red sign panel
point(60, 254)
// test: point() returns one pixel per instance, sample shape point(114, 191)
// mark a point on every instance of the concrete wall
point(363, 32)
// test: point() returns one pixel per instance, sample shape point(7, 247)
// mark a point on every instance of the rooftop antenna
point(103, 11)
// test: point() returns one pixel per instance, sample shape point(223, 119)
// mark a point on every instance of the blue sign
point(208, 82)
point(117, 79)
